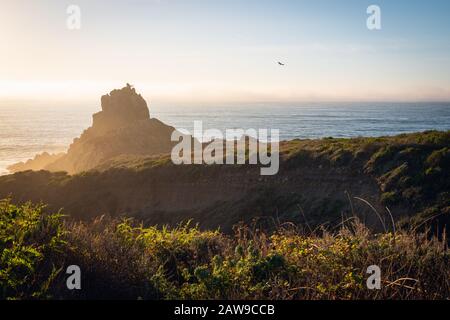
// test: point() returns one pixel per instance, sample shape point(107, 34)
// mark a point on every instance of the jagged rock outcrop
point(123, 127)
point(120, 108)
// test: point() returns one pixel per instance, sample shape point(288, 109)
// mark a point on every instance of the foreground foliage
point(30, 245)
point(124, 260)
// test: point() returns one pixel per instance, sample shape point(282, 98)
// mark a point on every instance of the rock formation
point(123, 127)
point(37, 163)
point(121, 108)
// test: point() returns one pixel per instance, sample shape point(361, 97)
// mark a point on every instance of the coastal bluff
point(122, 127)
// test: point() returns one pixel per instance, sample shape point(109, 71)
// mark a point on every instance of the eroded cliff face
point(213, 196)
point(123, 127)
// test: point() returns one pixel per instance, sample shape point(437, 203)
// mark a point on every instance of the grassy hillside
point(411, 170)
point(318, 183)
point(121, 259)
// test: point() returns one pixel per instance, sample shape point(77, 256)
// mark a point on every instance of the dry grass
point(124, 260)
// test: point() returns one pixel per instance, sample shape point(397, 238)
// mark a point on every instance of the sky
point(215, 51)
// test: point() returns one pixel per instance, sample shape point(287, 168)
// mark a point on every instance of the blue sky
point(226, 51)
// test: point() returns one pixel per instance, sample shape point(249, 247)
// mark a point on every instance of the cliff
point(316, 185)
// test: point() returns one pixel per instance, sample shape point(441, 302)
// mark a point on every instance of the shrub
point(31, 244)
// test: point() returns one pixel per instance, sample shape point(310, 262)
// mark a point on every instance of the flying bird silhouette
point(281, 64)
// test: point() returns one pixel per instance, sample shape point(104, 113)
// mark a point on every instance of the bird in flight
point(281, 64)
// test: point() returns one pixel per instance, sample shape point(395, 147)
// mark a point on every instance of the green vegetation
point(122, 259)
point(28, 238)
point(412, 170)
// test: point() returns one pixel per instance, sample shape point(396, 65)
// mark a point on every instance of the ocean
point(28, 130)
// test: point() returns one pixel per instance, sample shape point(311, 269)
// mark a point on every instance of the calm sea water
point(28, 130)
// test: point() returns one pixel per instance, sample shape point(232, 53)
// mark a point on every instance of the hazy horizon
point(93, 103)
